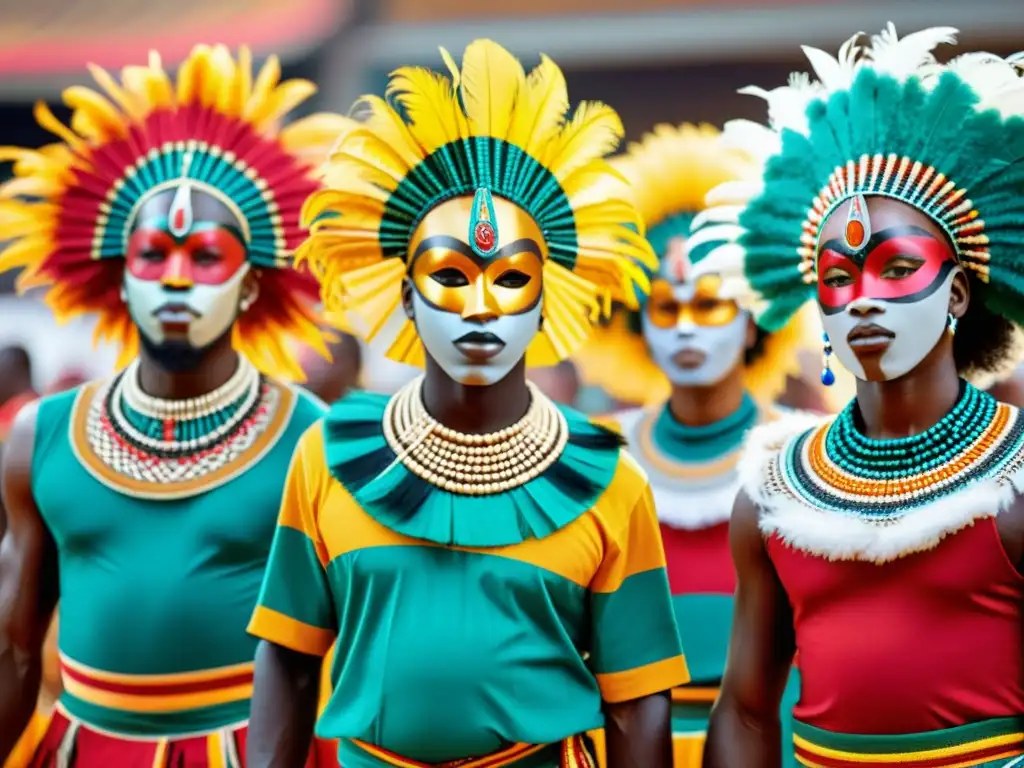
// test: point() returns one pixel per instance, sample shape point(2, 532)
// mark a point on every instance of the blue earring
point(951, 323)
point(828, 378)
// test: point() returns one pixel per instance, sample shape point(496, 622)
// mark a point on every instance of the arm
point(637, 656)
point(294, 618)
point(744, 728)
point(283, 707)
point(28, 585)
point(638, 733)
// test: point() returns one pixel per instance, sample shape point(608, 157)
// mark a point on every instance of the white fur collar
point(840, 537)
point(680, 502)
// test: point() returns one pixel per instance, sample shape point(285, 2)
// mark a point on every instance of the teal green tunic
point(158, 586)
point(468, 623)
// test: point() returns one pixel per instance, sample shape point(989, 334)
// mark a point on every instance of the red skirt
point(70, 744)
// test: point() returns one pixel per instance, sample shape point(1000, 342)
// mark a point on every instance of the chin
point(475, 380)
point(175, 356)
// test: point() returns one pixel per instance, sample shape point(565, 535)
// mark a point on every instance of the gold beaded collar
point(473, 465)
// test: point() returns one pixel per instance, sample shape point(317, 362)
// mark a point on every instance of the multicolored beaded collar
point(120, 442)
point(835, 467)
point(832, 491)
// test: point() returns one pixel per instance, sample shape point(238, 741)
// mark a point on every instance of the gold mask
point(698, 303)
point(448, 274)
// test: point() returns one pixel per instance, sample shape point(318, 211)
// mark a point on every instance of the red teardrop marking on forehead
point(483, 235)
point(178, 220)
point(855, 233)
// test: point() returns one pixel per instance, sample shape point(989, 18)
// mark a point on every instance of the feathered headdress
point(490, 126)
point(884, 119)
point(670, 171)
point(69, 208)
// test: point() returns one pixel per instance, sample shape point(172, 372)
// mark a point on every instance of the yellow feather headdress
point(68, 210)
point(670, 171)
point(489, 126)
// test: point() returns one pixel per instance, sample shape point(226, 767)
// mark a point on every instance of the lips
point(689, 358)
point(479, 346)
point(869, 338)
point(175, 314)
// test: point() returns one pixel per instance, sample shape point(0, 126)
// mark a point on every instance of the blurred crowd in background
point(653, 60)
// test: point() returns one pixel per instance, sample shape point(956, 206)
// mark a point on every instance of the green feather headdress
point(884, 119)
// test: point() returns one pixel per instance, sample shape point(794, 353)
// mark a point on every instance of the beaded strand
point(474, 465)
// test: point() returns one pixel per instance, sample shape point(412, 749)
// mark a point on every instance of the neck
point(703, 405)
point(914, 402)
point(475, 409)
point(216, 367)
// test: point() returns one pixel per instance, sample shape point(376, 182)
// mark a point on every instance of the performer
point(489, 561)
point(886, 544)
point(147, 502)
point(717, 375)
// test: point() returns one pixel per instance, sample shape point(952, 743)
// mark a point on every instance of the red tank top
point(929, 641)
point(699, 561)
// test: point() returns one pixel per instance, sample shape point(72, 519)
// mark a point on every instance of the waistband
point(975, 744)
point(146, 694)
point(570, 753)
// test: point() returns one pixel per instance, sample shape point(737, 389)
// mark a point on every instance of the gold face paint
point(668, 305)
point(450, 276)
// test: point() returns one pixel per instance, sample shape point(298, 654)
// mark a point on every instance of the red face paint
point(881, 273)
point(205, 257)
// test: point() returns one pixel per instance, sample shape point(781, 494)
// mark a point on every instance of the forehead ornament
point(858, 223)
point(180, 215)
point(483, 224)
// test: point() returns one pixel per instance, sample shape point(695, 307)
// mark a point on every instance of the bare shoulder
point(745, 537)
point(18, 448)
point(1010, 523)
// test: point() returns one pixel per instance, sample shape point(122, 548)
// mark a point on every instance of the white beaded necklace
point(245, 378)
point(244, 384)
point(474, 465)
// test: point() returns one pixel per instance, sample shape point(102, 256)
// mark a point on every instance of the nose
point(177, 272)
point(480, 306)
point(684, 322)
point(863, 307)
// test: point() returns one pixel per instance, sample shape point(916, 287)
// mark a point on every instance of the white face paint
point(469, 351)
point(200, 314)
point(899, 335)
point(693, 355)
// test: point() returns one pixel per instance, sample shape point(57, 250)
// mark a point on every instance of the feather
point(594, 131)
point(427, 97)
point(902, 58)
point(492, 79)
point(542, 107)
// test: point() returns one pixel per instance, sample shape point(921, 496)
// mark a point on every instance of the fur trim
point(840, 537)
point(693, 510)
point(681, 503)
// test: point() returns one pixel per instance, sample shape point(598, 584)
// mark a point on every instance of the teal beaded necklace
point(185, 430)
point(837, 468)
point(695, 444)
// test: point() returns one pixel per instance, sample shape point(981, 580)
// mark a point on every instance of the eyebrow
point(838, 245)
point(522, 245)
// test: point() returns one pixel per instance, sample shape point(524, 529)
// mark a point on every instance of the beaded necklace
point(837, 468)
point(169, 442)
point(473, 465)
